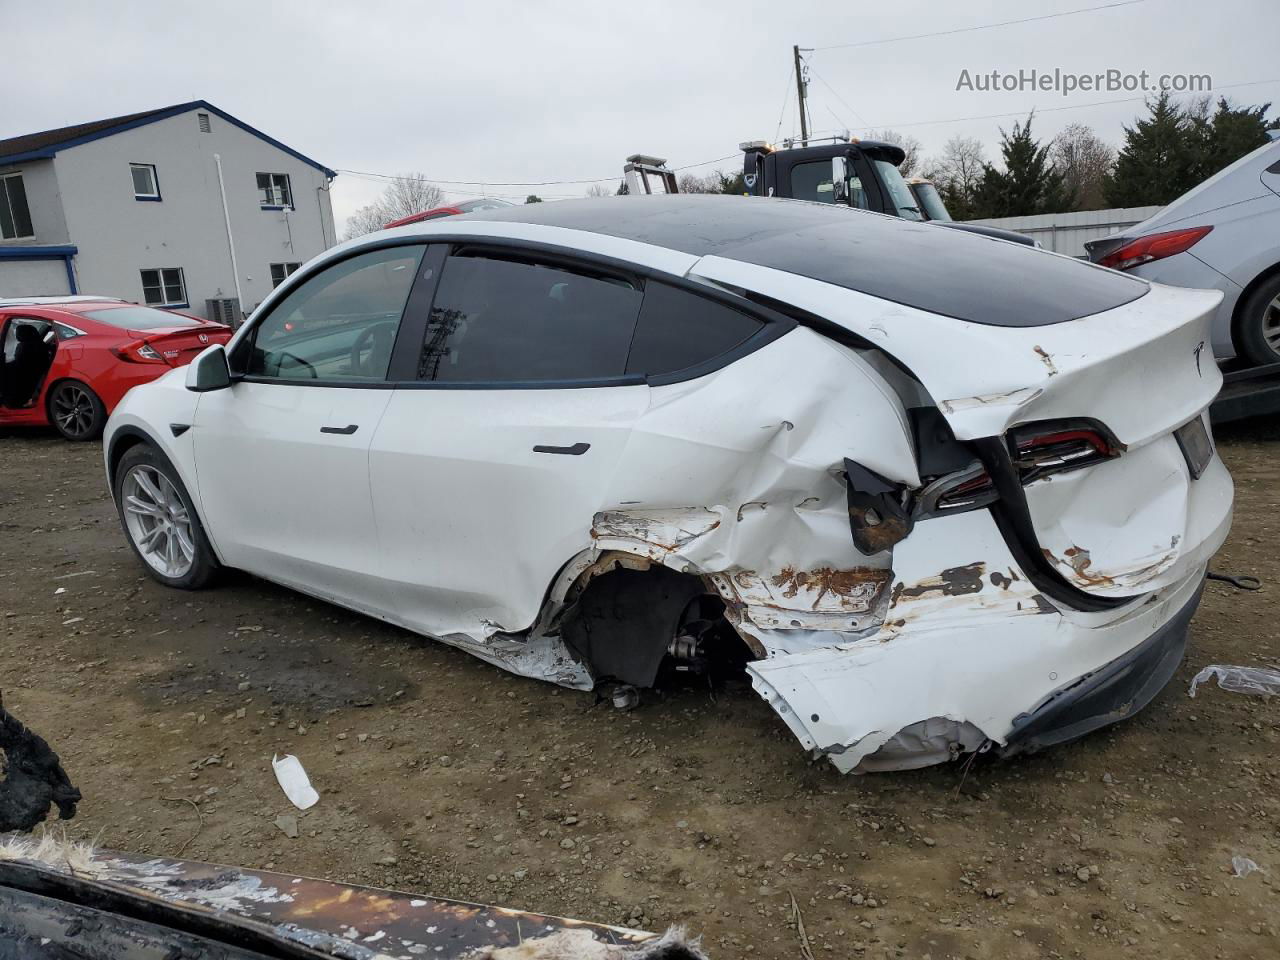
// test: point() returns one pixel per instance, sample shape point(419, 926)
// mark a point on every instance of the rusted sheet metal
point(824, 598)
point(351, 922)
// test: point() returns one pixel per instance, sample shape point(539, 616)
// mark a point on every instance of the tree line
point(1163, 155)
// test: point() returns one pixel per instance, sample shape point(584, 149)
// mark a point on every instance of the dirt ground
point(438, 773)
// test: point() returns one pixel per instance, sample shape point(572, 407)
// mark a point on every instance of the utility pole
point(802, 94)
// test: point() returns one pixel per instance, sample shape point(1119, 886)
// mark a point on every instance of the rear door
point(511, 413)
point(282, 456)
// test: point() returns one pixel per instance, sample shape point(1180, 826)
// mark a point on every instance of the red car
point(67, 361)
point(466, 206)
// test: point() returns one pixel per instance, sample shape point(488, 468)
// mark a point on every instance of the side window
point(340, 324)
point(505, 320)
point(812, 181)
point(679, 330)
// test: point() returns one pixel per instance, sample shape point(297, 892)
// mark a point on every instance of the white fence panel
point(1067, 232)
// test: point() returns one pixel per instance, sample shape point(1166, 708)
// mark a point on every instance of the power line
point(368, 174)
point(984, 26)
point(856, 115)
point(786, 98)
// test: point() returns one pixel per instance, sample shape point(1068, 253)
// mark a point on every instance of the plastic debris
point(294, 782)
point(1243, 866)
point(1256, 680)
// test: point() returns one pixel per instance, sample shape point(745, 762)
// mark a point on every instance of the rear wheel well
point(635, 622)
point(1237, 313)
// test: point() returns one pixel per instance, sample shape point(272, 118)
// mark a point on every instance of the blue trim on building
point(45, 153)
point(64, 252)
point(146, 199)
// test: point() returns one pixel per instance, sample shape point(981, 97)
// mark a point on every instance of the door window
point(496, 320)
point(340, 324)
point(812, 181)
point(678, 330)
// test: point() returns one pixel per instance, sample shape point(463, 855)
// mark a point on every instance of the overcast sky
point(503, 90)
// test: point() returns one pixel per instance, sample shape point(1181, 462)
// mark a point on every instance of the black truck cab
point(859, 173)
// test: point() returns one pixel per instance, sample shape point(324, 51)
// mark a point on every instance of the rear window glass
point(139, 318)
point(679, 330)
point(501, 320)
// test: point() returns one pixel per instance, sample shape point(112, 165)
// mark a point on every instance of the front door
point(282, 456)
point(27, 349)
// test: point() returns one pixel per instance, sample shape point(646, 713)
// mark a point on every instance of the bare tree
point(692, 183)
point(406, 194)
point(912, 147)
point(1085, 161)
point(599, 190)
point(957, 173)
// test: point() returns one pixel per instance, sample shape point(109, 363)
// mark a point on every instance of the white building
point(183, 207)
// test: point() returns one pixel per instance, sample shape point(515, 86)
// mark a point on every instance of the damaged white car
point(948, 493)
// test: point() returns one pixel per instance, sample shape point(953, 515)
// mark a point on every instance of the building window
point(203, 120)
point(164, 287)
point(273, 190)
point(15, 217)
point(281, 270)
point(145, 184)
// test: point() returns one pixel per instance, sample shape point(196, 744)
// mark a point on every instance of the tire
point(1260, 318)
point(75, 411)
point(159, 521)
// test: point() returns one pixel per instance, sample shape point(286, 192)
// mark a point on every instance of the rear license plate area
point(1197, 447)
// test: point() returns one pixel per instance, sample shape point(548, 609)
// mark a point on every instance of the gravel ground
point(440, 774)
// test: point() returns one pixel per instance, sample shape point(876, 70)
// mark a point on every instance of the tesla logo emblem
point(1199, 349)
point(204, 338)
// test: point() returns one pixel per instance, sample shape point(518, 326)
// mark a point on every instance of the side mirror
point(840, 179)
point(209, 370)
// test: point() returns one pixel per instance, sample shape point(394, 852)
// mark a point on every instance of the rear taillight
point(1040, 450)
point(967, 489)
point(138, 351)
point(1157, 246)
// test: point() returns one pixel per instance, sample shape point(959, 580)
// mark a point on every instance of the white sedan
point(942, 493)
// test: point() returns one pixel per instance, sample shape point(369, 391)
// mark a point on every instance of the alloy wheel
point(74, 410)
point(158, 521)
point(1271, 324)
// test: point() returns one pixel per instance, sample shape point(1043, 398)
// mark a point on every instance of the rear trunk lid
point(1143, 369)
point(179, 344)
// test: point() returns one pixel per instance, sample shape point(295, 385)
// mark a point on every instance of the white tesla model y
point(945, 493)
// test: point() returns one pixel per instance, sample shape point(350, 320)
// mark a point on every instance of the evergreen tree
point(1157, 160)
point(1226, 136)
point(1029, 182)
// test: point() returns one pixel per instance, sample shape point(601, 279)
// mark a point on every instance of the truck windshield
point(930, 201)
point(900, 200)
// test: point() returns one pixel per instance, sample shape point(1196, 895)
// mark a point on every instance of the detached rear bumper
point(1113, 692)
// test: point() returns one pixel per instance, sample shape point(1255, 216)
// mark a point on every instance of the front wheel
point(76, 412)
point(1259, 331)
point(159, 521)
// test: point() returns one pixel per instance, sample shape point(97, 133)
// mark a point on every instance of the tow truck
point(845, 170)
